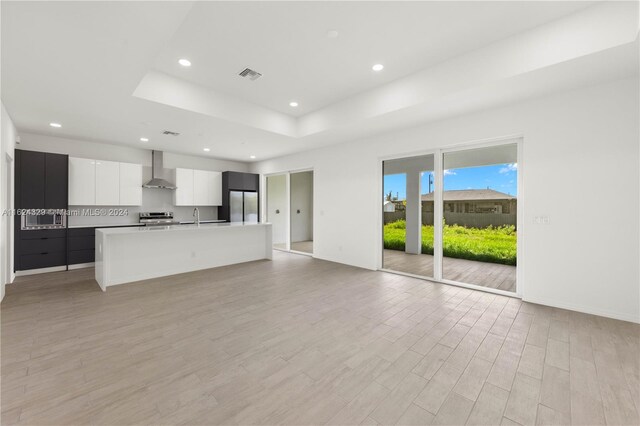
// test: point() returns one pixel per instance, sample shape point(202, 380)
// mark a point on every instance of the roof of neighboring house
point(470, 195)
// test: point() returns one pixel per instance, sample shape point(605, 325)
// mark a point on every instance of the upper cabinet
point(104, 183)
point(82, 181)
point(183, 194)
point(240, 181)
point(198, 188)
point(56, 167)
point(107, 183)
point(41, 180)
point(30, 179)
point(130, 184)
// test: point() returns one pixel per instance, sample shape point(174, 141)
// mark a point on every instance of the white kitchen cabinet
point(130, 184)
point(198, 188)
point(82, 181)
point(201, 188)
point(216, 190)
point(183, 194)
point(107, 183)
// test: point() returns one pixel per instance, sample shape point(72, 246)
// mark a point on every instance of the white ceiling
point(79, 63)
point(287, 42)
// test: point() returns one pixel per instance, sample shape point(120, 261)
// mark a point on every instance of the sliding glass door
point(480, 201)
point(452, 216)
point(408, 215)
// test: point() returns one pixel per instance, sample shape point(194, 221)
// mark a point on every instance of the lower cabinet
point(42, 260)
point(77, 257)
point(41, 249)
point(81, 245)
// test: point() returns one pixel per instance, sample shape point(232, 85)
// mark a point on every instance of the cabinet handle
point(44, 238)
point(44, 252)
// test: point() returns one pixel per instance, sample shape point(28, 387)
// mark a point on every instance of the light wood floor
point(302, 246)
point(302, 341)
point(490, 275)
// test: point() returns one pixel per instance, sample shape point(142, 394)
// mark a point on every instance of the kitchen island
point(130, 254)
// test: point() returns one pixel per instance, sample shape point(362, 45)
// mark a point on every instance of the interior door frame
point(265, 206)
point(265, 203)
point(438, 153)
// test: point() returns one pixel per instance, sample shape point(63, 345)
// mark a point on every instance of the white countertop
point(110, 225)
point(177, 228)
point(121, 225)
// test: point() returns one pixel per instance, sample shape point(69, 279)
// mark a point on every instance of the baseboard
point(583, 309)
point(315, 256)
point(40, 271)
point(82, 266)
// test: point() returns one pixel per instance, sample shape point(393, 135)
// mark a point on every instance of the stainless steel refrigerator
point(243, 206)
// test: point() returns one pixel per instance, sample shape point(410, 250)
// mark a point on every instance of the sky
point(500, 177)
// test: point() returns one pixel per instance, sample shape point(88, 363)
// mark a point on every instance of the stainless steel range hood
point(156, 169)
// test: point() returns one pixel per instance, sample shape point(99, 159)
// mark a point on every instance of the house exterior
point(477, 208)
point(473, 201)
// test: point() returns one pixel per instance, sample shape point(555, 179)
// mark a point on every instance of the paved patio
point(502, 277)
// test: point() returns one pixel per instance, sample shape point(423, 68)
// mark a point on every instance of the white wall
point(152, 199)
point(277, 201)
point(7, 146)
point(580, 168)
point(301, 199)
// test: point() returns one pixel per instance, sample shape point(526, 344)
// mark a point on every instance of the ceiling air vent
point(250, 74)
point(170, 133)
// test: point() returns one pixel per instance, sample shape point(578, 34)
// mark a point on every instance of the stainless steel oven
point(49, 219)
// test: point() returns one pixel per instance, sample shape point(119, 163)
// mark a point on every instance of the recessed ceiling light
point(206, 149)
point(185, 62)
point(332, 34)
point(55, 124)
point(252, 157)
point(293, 104)
point(377, 67)
point(144, 139)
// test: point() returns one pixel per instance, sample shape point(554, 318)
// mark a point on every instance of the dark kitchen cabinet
point(236, 181)
point(42, 260)
point(81, 245)
point(40, 249)
point(30, 180)
point(250, 181)
point(56, 181)
point(41, 180)
point(233, 180)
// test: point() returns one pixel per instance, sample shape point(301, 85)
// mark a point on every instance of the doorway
point(289, 208)
point(278, 210)
point(452, 216)
point(480, 202)
point(408, 220)
point(301, 212)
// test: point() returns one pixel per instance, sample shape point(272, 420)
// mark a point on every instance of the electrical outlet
point(541, 220)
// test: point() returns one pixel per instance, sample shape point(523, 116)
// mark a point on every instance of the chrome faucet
point(196, 214)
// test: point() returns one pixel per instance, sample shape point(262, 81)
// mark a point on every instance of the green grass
point(492, 244)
